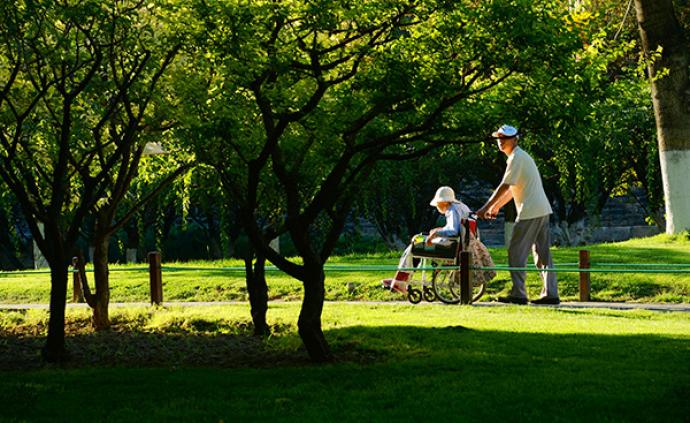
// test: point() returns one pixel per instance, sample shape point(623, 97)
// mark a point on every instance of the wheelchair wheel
point(477, 291)
point(414, 295)
point(446, 285)
point(428, 294)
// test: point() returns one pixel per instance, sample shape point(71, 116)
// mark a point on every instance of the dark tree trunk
point(54, 349)
point(309, 323)
point(258, 292)
point(101, 321)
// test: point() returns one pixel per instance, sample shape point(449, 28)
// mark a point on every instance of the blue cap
point(505, 131)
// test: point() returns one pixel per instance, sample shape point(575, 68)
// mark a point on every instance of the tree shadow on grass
point(188, 342)
point(222, 343)
point(405, 372)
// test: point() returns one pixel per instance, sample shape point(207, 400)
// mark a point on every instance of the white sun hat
point(505, 131)
point(444, 194)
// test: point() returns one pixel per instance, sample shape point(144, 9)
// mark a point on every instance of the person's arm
point(505, 199)
point(452, 227)
point(499, 198)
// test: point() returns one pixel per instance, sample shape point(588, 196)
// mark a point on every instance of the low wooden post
point(584, 276)
point(465, 277)
point(77, 293)
point(155, 277)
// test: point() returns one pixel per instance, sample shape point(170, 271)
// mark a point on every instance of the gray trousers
point(531, 234)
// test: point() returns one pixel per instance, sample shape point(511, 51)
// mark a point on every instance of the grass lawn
point(128, 285)
point(396, 362)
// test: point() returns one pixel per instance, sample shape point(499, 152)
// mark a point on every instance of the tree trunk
point(309, 323)
point(258, 293)
point(101, 321)
point(54, 349)
point(659, 27)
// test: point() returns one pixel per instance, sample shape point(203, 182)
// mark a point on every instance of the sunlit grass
point(210, 283)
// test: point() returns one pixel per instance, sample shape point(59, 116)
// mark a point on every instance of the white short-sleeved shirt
point(525, 184)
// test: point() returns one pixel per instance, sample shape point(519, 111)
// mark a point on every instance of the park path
point(565, 305)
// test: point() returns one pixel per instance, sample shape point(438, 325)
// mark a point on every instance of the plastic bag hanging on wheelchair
point(480, 254)
point(481, 258)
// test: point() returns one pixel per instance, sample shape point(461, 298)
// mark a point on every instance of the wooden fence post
point(155, 277)
point(465, 277)
point(585, 282)
point(77, 293)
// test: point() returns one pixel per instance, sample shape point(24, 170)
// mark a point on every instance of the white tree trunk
point(660, 31)
point(675, 172)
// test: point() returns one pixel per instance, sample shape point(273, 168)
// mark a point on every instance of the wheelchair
point(438, 277)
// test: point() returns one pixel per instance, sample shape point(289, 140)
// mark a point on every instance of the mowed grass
point(210, 283)
point(396, 362)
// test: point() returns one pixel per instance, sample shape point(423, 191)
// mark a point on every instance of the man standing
point(522, 183)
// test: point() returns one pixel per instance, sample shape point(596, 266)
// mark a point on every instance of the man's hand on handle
point(487, 213)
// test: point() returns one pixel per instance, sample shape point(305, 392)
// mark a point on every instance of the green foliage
point(79, 103)
point(294, 102)
point(556, 72)
point(589, 123)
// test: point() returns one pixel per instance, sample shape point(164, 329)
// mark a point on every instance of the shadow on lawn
point(201, 343)
point(454, 371)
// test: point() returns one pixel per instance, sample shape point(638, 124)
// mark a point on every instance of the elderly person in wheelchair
point(440, 250)
point(437, 241)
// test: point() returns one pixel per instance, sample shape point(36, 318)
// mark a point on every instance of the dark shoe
point(547, 300)
point(512, 300)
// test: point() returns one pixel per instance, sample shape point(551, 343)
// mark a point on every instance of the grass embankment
point(213, 285)
point(396, 362)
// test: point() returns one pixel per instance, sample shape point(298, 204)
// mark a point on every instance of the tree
point(586, 123)
point(667, 53)
point(302, 99)
point(108, 221)
point(76, 94)
point(586, 120)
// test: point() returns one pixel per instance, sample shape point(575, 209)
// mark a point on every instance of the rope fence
point(583, 267)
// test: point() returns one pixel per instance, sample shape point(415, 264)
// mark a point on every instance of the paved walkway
point(566, 305)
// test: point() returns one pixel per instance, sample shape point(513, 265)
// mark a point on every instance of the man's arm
point(501, 196)
point(503, 200)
